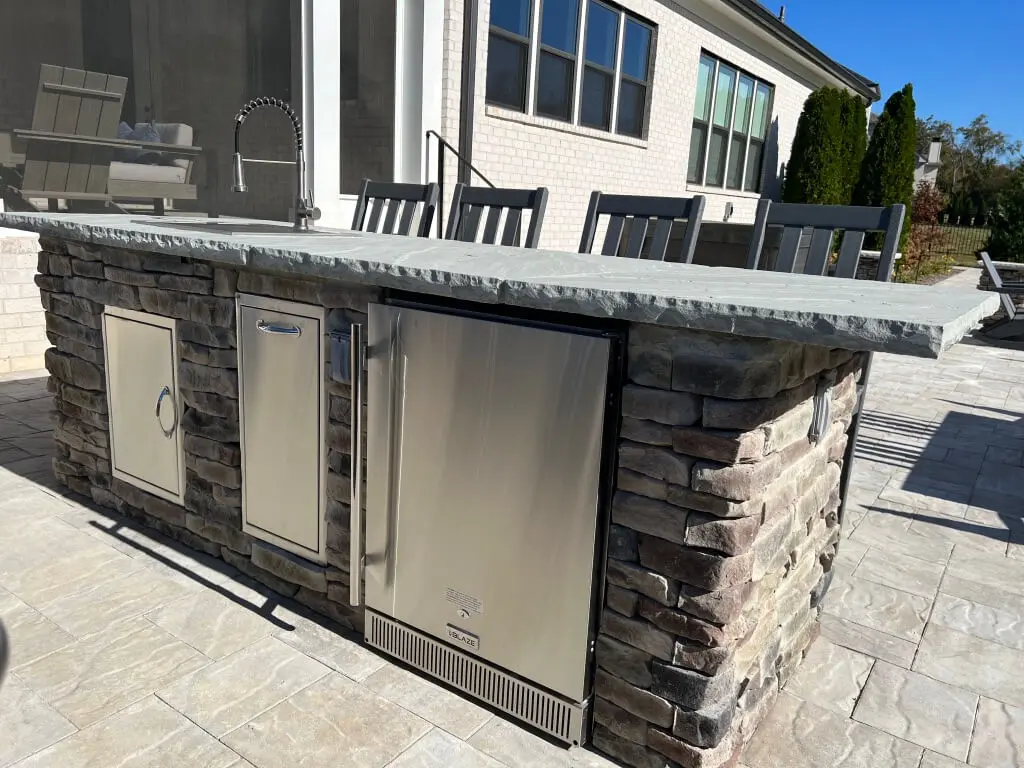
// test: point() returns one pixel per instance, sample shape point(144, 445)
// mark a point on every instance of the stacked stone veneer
point(75, 282)
point(724, 530)
point(724, 521)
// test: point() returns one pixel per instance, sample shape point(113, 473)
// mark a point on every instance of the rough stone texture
point(704, 727)
point(649, 516)
point(856, 314)
point(643, 703)
point(744, 542)
point(724, 518)
point(620, 722)
point(625, 661)
point(77, 282)
point(289, 567)
point(621, 600)
point(655, 586)
point(659, 463)
point(664, 407)
point(719, 445)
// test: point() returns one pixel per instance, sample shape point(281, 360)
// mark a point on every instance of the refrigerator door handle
point(356, 354)
point(396, 380)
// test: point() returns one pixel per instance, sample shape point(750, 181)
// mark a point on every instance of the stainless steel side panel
point(142, 395)
point(483, 465)
point(282, 422)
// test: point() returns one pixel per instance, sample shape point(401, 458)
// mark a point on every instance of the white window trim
point(533, 58)
point(701, 183)
point(418, 88)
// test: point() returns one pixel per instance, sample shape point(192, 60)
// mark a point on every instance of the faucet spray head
point(238, 173)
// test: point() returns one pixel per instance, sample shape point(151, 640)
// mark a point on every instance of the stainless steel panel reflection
point(280, 374)
point(484, 450)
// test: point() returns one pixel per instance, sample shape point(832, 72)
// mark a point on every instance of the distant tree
point(853, 117)
point(816, 171)
point(1006, 241)
point(887, 175)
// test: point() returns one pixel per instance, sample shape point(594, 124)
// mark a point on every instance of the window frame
point(580, 64)
point(708, 126)
point(533, 61)
point(513, 37)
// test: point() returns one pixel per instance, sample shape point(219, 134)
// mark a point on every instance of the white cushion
point(142, 172)
point(176, 133)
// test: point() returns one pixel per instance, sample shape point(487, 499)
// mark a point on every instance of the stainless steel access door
point(280, 367)
point(483, 469)
point(142, 398)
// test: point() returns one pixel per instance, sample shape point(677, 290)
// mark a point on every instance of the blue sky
point(963, 57)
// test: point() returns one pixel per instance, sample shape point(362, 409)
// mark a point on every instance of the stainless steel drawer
point(142, 399)
point(281, 364)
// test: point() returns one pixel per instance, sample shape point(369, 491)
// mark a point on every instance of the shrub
point(816, 171)
point(887, 175)
point(924, 254)
point(1006, 218)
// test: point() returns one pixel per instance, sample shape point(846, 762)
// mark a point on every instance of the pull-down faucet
point(305, 212)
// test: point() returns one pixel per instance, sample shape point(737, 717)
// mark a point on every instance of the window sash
point(574, 86)
point(524, 43)
point(579, 63)
point(729, 132)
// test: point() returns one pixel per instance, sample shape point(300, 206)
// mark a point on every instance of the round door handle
point(166, 392)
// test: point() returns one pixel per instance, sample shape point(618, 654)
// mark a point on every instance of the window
point(507, 53)
point(581, 61)
point(730, 126)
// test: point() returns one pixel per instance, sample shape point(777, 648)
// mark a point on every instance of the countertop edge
point(906, 337)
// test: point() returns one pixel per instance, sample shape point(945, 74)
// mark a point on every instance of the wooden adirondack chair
point(69, 149)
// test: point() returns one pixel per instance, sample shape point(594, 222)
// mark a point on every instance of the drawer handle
point(279, 330)
point(166, 392)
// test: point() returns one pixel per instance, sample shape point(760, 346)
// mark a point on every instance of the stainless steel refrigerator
point(483, 520)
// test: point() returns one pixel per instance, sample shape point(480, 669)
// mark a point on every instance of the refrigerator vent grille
point(540, 709)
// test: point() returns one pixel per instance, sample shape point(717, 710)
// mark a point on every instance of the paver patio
point(130, 650)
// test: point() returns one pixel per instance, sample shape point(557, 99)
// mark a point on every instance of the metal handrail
point(442, 145)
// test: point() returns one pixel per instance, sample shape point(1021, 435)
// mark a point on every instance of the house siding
point(517, 150)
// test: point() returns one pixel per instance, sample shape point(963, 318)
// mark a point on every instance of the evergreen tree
point(854, 118)
point(816, 169)
point(887, 175)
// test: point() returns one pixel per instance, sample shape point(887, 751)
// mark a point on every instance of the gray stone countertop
point(860, 315)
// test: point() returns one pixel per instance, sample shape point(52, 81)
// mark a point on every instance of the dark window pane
point(596, 100)
point(698, 137)
point(506, 73)
point(632, 99)
point(716, 159)
point(602, 34)
point(636, 50)
point(513, 15)
point(753, 180)
point(559, 24)
point(737, 151)
point(554, 86)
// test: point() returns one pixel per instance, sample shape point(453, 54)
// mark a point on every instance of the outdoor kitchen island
point(727, 427)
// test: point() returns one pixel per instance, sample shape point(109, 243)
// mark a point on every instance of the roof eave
point(760, 15)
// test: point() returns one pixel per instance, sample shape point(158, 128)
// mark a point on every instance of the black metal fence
point(960, 243)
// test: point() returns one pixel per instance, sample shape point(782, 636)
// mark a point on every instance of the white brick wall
point(524, 151)
point(22, 327)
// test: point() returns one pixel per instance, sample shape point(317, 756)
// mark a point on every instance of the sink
point(228, 227)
